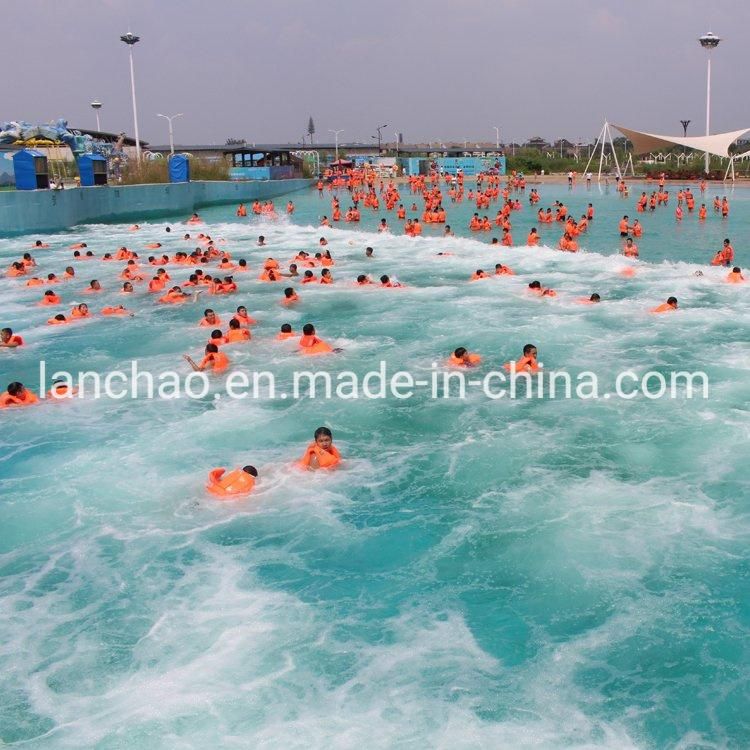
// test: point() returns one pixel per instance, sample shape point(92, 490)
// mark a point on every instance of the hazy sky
point(438, 70)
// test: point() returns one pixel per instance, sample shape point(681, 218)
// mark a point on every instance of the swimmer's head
point(384, 279)
point(323, 437)
point(595, 298)
point(368, 252)
point(16, 389)
point(460, 352)
point(529, 350)
point(234, 324)
point(251, 470)
point(286, 328)
point(289, 292)
point(308, 329)
point(535, 285)
point(736, 269)
point(672, 301)
point(212, 348)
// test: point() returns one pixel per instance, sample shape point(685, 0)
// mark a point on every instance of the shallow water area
point(528, 573)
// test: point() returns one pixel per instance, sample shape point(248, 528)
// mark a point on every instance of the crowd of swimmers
point(316, 268)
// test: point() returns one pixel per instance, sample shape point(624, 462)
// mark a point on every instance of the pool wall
point(30, 211)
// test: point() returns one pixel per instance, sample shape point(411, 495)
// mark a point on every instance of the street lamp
point(497, 137)
point(379, 136)
point(336, 134)
point(96, 105)
point(709, 42)
point(131, 40)
point(171, 132)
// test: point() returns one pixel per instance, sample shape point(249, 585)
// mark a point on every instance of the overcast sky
point(437, 70)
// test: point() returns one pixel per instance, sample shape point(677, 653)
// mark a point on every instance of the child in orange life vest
point(322, 453)
point(668, 306)
point(290, 296)
point(244, 319)
point(10, 340)
point(17, 395)
point(213, 360)
point(537, 288)
point(234, 484)
point(236, 334)
point(527, 363)
point(310, 344)
point(461, 357)
point(733, 277)
point(285, 333)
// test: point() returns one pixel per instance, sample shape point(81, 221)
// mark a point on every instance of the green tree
point(311, 129)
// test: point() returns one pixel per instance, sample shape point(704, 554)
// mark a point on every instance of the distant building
point(565, 147)
point(538, 143)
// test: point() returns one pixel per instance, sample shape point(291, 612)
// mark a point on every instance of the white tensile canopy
point(717, 144)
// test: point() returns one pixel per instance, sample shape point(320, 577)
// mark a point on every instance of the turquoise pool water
point(506, 574)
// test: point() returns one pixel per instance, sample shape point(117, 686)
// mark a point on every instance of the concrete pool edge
point(24, 212)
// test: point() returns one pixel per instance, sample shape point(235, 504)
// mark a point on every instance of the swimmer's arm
point(191, 362)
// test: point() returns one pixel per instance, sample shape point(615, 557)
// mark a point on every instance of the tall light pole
point(336, 134)
point(96, 105)
point(131, 40)
point(708, 41)
point(497, 137)
point(171, 132)
point(379, 136)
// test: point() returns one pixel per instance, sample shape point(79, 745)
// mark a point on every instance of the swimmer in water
point(210, 319)
point(321, 453)
point(16, 394)
point(290, 296)
point(733, 277)
point(528, 362)
point(213, 360)
point(286, 332)
point(10, 340)
point(236, 483)
point(537, 288)
point(369, 252)
point(461, 357)
point(261, 241)
point(668, 306)
point(310, 344)
point(592, 300)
